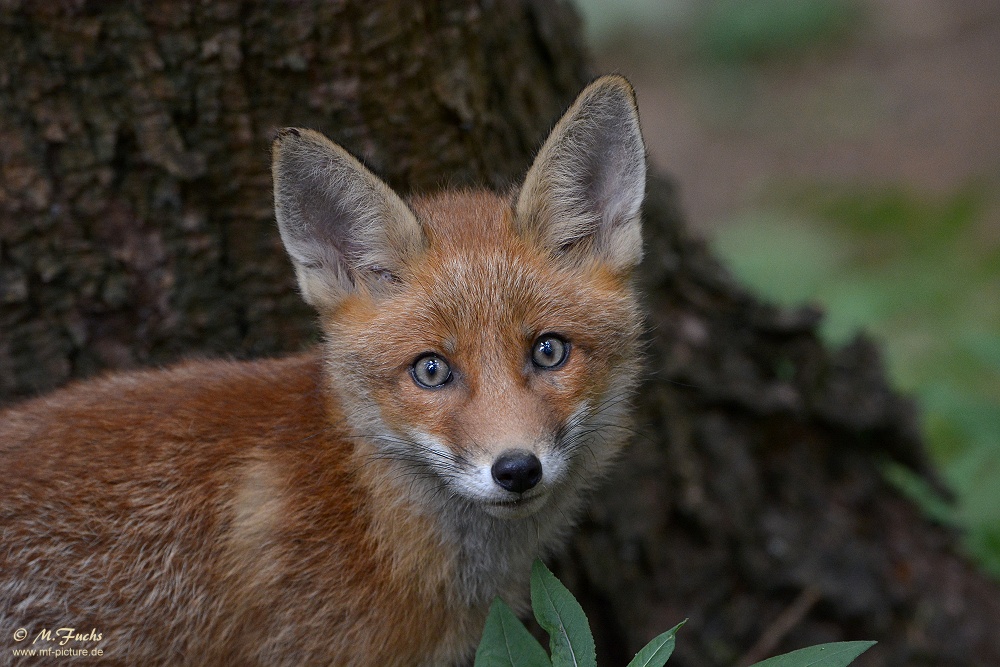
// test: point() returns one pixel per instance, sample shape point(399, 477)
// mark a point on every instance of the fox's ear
point(583, 194)
point(343, 227)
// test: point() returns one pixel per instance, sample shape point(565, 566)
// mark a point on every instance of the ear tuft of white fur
point(342, 226)
point(583, 194)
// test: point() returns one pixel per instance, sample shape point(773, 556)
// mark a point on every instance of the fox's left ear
point(583, 194)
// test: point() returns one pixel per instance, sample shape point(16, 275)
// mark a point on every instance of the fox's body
point(227, 521)
point(364, 502)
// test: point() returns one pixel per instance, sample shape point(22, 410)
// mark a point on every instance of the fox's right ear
point(343, 227)
point(582, 196)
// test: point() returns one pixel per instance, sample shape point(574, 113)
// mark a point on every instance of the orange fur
point(326, 508)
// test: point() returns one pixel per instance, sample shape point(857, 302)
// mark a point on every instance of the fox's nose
point(517, 470)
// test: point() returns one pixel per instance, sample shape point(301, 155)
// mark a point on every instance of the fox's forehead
point(477, 270)
point(495, 288)
point(462, 221)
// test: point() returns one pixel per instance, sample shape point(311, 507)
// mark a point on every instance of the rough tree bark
point(137, 228)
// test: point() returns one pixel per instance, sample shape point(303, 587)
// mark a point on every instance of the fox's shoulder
point(162, 389)
point(196, 400)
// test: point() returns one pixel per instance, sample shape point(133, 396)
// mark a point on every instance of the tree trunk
point(137, 228)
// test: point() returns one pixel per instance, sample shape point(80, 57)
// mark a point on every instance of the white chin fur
point(519, 508)
point(477, 486)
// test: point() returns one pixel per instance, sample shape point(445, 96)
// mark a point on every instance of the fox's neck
point(484, 556)
point(493, 556)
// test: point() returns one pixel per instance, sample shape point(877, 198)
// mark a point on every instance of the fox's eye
point(549, 351)
point(430, 371)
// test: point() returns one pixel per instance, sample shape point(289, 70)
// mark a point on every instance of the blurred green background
point(847, 153)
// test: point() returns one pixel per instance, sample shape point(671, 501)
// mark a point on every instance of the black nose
point(517, 471)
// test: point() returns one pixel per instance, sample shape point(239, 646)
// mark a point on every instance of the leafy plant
point(507, 643)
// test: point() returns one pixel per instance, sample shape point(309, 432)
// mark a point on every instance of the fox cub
point(362, 503)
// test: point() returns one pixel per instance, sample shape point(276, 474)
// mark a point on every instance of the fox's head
point(488, 344)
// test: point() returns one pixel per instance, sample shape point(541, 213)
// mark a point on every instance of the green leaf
point(562, 617)
point(657, 652)
point(507, 643)
point(836, 654)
